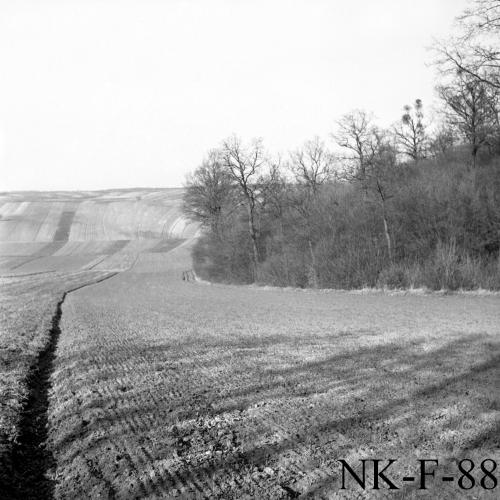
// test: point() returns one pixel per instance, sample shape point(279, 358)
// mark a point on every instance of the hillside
point(102, 230)
point(137, 384)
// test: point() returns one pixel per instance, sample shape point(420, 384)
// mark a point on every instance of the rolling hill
point(101, 230)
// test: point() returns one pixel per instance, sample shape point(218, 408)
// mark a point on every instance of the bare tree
point(313, 165)
point(371, 162)
point(355, 134)
point(471, 107)
point(475, 50)
point(244, 165)
point(481, 16)
point(273, 185)
point(380, 175)
point(275, 198)
point(209, 193)
point(410, 132)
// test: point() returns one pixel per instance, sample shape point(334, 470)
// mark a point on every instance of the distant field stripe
point(7, 227)
point(116, 246)
point(64, 226)
point(21, 207)
point(68, 248)
point(23, 275)
point(8, 209)
point(44, 209)
point(23, 262)
point(49, 249)
point(49, 225)
point(30, 221)
point(65, 263)
point(7, 264)
point(166, 245)
point(19, 249)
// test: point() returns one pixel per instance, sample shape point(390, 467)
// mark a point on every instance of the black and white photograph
point(249, 249)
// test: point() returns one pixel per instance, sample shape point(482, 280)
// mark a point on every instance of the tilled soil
point(26, 461)
point(164, 388)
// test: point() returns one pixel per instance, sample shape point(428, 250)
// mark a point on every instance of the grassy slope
point(170, 388)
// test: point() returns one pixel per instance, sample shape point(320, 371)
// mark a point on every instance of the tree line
point(416, 204)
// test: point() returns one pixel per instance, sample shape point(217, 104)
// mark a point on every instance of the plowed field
point(164, 388)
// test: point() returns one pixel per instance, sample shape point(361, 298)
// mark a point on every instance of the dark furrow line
point(26, 473)
point(13, 268)
point(97, 263)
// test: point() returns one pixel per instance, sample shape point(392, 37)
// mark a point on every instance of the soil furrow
point(30, 460)
point(31, 464)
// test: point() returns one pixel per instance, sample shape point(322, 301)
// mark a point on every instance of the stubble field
point(161, 388)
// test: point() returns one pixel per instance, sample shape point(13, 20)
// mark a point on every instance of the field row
point(91, 220)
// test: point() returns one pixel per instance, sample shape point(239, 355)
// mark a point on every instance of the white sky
point(98, 93)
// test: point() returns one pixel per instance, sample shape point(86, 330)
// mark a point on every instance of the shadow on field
point(272, 408)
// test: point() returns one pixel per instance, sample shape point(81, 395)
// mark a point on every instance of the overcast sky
point(99, 93)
